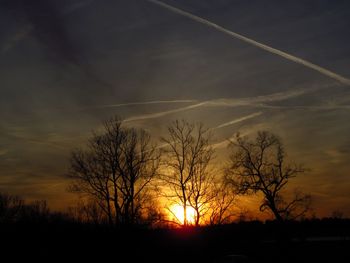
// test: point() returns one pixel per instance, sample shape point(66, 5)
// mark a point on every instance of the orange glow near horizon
point(177, 212)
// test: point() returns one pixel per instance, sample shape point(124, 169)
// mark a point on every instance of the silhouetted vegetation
point(40, 234)
point(15, 210)
point(115, 172)
point(120, 176)
point(258, 166)
point(189, 176)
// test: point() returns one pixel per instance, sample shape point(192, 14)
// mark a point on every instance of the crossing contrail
point(275, 51)
point(137, 104)
point(258, 101)
point(164, 113)
point(239, 120)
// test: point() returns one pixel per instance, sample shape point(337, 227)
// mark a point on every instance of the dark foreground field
point(313, 241)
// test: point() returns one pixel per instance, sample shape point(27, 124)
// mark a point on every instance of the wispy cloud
point(224, 143)
point(3, 151)
point(137, 104)
point(17, 37)
point(25, 31)
point(250, 116)
point(336, 155)
point(76, 6)
point(16, 134)
point(243, 132)
point(257, 101)
point(163, 113)
point(313, 107)
point(272, 50)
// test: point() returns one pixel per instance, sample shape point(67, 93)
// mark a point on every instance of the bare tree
point(116, 169)
point(188, 176)
point(36, 212)
point(258, 166)
point(10, 208)
point(221, 209)
point(337, 214)
point(87, 211)
point(140, 165)
point(91, 178)
point(153, 215)
point(201, 188)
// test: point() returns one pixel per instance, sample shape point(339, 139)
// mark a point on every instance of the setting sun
point(177, 211)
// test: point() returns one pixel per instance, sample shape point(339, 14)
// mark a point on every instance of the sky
point(67, 65)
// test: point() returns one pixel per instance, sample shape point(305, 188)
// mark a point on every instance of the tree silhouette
point(116, 169)
point(188, 176)
point(221, 208)
point(10, 208)
point(87, 211)
point(36, 212)
point(258, 166)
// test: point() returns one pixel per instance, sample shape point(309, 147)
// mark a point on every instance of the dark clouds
point(48, 27)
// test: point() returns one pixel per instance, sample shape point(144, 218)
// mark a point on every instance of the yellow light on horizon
point(177, 211)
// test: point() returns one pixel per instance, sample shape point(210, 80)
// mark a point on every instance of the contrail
point(76, 6)
point(321, 107)
point(239, 120)
point(275, 51)
point(137, 103)
point(250, 101)
point(256, 101)
point(163, 113)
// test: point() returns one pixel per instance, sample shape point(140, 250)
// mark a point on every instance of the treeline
point(122, 174)
point(42, 234)
point(124, 178)
point(14, 209)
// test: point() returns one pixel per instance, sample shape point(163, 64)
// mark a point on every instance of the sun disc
point(177, 211)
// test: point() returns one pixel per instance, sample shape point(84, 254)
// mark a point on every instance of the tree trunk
point(183, 187)
point(116, 205)
point(110, 220)
point(197, 218)
point(275, 212)
point(132, 209)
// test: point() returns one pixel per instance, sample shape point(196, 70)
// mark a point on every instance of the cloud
point(76, 6)
point(48, 26)
point(138, 103)
point(17, 37)
point(243, 132)
point(225, 142)
point(52, 27)
point(163, 113)
point(224, 102)
point(321, 107)
point(250, 116)
point(257, 100)
point(3, 152)
point(21, 135)
point(336, 155)
point(272, 50)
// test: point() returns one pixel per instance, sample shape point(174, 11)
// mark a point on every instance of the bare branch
point(258, 166)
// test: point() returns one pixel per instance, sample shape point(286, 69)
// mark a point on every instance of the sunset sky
point(67, 65)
